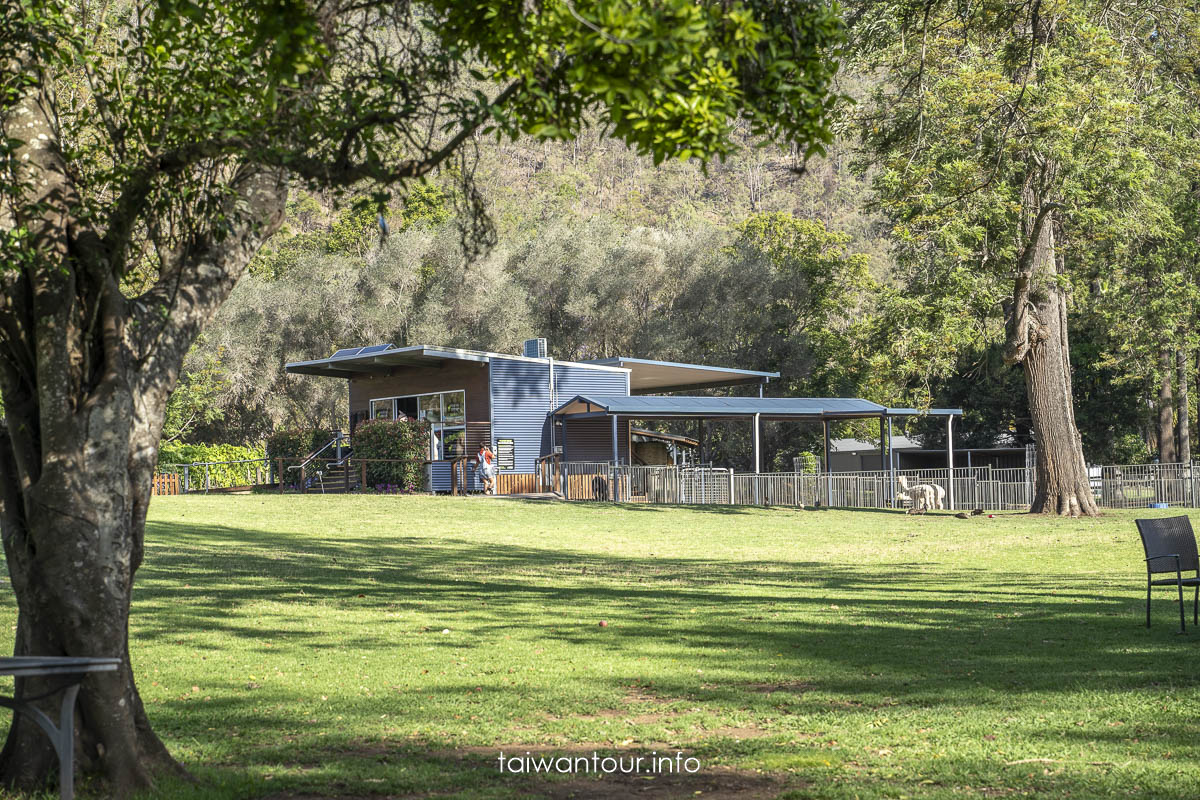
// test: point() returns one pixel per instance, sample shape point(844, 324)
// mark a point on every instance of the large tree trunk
point(1166, 410)
point(1037, 339)
point(1182, 422)
point(85, 374)
point(73, 546)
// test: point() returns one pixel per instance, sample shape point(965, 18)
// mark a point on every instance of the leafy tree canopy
point(146, 155)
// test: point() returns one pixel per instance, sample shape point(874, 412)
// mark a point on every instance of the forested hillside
point(762, 261)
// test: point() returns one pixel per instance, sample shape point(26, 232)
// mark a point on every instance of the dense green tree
point(1010, 140)
point(164, 138)
point(1145, 301)
point(194, 401)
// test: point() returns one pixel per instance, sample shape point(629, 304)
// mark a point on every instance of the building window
point(381, 409)
point(444, 412)
point(406, 406)
point(454, 408)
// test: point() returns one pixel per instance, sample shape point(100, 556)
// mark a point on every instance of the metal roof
point(381, 358)
point(652, 406)
point(673, 376)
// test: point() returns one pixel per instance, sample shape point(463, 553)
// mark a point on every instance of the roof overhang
point(384, 358)
point(674, 407)
point(647, 376)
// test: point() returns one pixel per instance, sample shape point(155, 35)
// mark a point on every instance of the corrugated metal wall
point(439, 477)
point(591, 439)
point(520, 405)
point(571, 379)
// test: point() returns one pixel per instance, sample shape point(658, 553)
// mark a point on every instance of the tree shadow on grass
point(1061, 626)
point(856, 641)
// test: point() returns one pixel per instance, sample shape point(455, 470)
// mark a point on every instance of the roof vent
point(534, 348)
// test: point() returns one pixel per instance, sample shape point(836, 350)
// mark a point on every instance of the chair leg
point(1179, 585)
point(1147, 603)
point(1196, 607)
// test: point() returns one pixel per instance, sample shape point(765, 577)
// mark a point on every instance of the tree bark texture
point(85, 373)
point(1166, 410)
point(1037, 339)
point(1182, 364)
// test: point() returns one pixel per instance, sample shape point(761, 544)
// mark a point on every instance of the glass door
point(447, 442)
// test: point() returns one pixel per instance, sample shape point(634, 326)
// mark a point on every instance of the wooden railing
point(165, 483)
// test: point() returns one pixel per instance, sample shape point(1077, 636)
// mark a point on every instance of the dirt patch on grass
point(624, 716)
point(642, 695)
point(719, 782)
point(792, 687)
point(716, 784)
point(732, 732)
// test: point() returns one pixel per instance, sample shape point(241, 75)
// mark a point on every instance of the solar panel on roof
point(348, 351)
point(375, 348)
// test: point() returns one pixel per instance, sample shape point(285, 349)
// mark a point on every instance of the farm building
point(530, 407)
point(854, 455)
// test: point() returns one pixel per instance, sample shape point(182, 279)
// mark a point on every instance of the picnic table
point(62, 737)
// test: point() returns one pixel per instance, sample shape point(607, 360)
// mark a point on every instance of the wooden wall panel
point(516, 483)
point(470, 376)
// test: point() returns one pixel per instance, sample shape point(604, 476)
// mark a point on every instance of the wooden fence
point(165, 483)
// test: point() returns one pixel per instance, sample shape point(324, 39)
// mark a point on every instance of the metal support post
point(950, 457)
point(891, 467)
point(828, 479)
point(757, 443)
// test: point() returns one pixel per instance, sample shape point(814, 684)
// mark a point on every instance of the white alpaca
point(924, 496)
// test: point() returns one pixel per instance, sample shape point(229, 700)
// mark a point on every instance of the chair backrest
point(1167, 536)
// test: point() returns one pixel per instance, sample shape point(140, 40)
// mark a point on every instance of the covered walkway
point(755, 410)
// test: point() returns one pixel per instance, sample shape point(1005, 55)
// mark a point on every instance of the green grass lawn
point(350, 647)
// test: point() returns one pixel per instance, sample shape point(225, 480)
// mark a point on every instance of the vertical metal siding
point(591, 439)
point(572, 379)
point(520, 407)
point(439, 477)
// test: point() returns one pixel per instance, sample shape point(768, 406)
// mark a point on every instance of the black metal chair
point(1170, 546)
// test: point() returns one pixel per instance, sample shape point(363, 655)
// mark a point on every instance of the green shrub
point(293, 445)
point(174, 455)
point(809, 464)
point(393, 439)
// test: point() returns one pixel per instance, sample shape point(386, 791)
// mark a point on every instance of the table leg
point(62, 736)
point(66, 744)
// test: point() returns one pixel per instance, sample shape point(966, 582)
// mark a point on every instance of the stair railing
point(337, 440)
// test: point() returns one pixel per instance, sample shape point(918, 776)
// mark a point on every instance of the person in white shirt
point(485, 468)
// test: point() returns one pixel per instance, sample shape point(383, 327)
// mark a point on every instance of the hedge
point(174, 455)
point(393, 439)
point(293, 445)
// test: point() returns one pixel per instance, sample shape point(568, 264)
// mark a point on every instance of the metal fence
point(964, 488)
point(206, 476)
point(1141, 485)
point(1115, 486)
